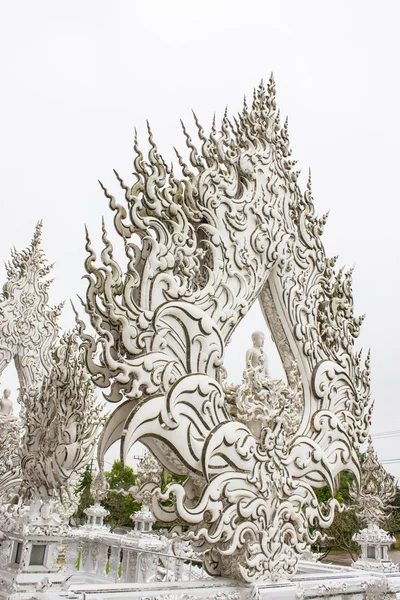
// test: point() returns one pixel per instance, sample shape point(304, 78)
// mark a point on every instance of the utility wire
point(385, 434)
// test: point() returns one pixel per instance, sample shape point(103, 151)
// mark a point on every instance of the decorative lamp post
point(372, 501)
point(95, 516)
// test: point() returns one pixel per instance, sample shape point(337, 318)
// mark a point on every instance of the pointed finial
point(213, 126)
point(199, 127)
point(309, 183)
point(74, 309)
point(271, 93)
point(37, 235)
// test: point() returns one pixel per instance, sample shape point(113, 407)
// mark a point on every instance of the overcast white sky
point(77, 77)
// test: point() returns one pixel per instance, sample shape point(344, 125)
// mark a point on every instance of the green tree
point(121, 507)
point(345, 524)
point(339, 534)
point(345, 480)
point(83, 488)
point(120, 477)
point(392, 522)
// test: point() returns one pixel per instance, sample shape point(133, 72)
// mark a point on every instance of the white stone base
point(313, 581)
point(383, 566)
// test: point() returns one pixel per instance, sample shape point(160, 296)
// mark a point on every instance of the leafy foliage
point(346, 523)
point(339, 534)
point(393, 521)
point(120, 507)
point(346, 479)
point(120, 477)
point(86, 499)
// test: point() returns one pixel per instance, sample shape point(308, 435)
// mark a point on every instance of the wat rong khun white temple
point(243, 519)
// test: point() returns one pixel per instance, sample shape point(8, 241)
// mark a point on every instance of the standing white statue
point(256, 359)
point(260, 401)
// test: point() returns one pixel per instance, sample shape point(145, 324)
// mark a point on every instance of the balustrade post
point(115, 560)
point(102, 557)
point(178, 571)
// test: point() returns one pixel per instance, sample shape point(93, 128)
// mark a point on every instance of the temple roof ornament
point(28, 326)
point(376, 491)
point(200, 249)
point(148, 475)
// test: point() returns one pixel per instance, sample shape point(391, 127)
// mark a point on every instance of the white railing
point(112, 558)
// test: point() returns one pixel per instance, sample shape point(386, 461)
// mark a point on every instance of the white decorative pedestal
point(95, 516)
point(143, 520)
point(375, 543)
point(30, 551)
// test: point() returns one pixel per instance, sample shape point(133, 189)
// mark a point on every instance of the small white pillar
point(375, 543)
point(95, 516)
point(143, 520)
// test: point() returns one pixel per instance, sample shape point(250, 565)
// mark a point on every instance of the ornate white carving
point(62, 428)
point(376, 492)
point(95, 516)
point(200, 251)
point(372, 499)
point(233, 595)
point(375, 543)
point(10, 459)
point(148, 474)
point(28, 326)
point(59, 418)
point(333, 588)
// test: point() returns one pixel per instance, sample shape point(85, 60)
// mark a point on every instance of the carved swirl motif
point(61, 431)
point(200, 250)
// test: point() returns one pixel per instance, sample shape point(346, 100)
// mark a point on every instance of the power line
point(385, 434)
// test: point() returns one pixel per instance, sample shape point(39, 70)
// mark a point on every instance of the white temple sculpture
point(59, 422)
point(28, 326)
point(148, 472)
point(261, 401)
point(372, 499)
point(201, 249)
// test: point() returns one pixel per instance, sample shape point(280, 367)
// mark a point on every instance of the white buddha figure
point(256, 359)
point(262, 401)
point(6, 406)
